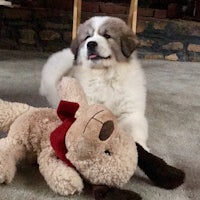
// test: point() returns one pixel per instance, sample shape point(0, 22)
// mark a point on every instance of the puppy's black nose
point(91, 45)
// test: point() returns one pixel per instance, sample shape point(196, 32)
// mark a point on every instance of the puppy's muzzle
point(93, 52)
point(91, 46)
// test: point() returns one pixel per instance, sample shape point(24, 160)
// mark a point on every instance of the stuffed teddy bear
point(79, 142)
point(86, 139)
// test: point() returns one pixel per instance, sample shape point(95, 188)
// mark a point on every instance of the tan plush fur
point(100, 158)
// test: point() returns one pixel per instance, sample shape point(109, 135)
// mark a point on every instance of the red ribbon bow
point(66, 112)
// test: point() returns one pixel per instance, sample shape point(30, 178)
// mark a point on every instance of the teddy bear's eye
point(107, 152)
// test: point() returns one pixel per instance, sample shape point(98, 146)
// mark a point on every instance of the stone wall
point(35, 29)
point(50, 30)
point(169, 39)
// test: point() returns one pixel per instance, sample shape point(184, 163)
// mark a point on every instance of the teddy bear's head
point(99, 150)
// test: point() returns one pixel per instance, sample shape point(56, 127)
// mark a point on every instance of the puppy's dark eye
point(87, 37)
point(107, 152)
point(107, 36)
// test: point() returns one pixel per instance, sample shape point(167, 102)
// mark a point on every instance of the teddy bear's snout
point(106, 130)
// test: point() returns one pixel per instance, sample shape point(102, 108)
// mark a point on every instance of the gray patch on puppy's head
point(85, 30)
point(123, 41)
point(74, 47)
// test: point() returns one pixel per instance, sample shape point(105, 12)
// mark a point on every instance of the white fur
point(103, 49)
point(118, 85)
point(57, 65)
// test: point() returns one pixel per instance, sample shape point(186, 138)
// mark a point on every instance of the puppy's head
point(103, 41)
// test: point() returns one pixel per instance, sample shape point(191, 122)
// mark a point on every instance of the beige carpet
point(173, 110)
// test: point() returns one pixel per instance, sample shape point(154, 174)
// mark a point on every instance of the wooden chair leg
point(76, 17)
point(132, 18)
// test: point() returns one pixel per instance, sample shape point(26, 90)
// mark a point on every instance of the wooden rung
point(76, 17)
point(132, 17)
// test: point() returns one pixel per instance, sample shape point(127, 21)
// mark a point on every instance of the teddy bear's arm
point(11, 151)
point(60, 178)
point(9, 112)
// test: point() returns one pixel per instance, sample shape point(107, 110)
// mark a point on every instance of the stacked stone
point(35, 29)
point(50, 30)
point(175, 40)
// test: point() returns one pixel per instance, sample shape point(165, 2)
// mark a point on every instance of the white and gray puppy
point(104, 62)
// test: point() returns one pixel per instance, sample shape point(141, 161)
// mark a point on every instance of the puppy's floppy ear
point(129, 43)
point(74, 47)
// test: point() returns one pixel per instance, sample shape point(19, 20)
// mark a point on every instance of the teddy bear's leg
point(61, 178)
point(162, 174)
point(11, 151)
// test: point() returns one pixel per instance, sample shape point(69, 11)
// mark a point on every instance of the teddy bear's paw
point(65, 182)
point(7, 170)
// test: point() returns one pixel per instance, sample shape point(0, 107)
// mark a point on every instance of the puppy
point(103, 59)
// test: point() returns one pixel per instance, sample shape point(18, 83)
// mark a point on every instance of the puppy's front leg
point(136, 125)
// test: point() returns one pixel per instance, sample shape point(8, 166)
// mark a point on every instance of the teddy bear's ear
point(69, 89)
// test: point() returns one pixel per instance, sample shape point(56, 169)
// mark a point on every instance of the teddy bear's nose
point(106, 130)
